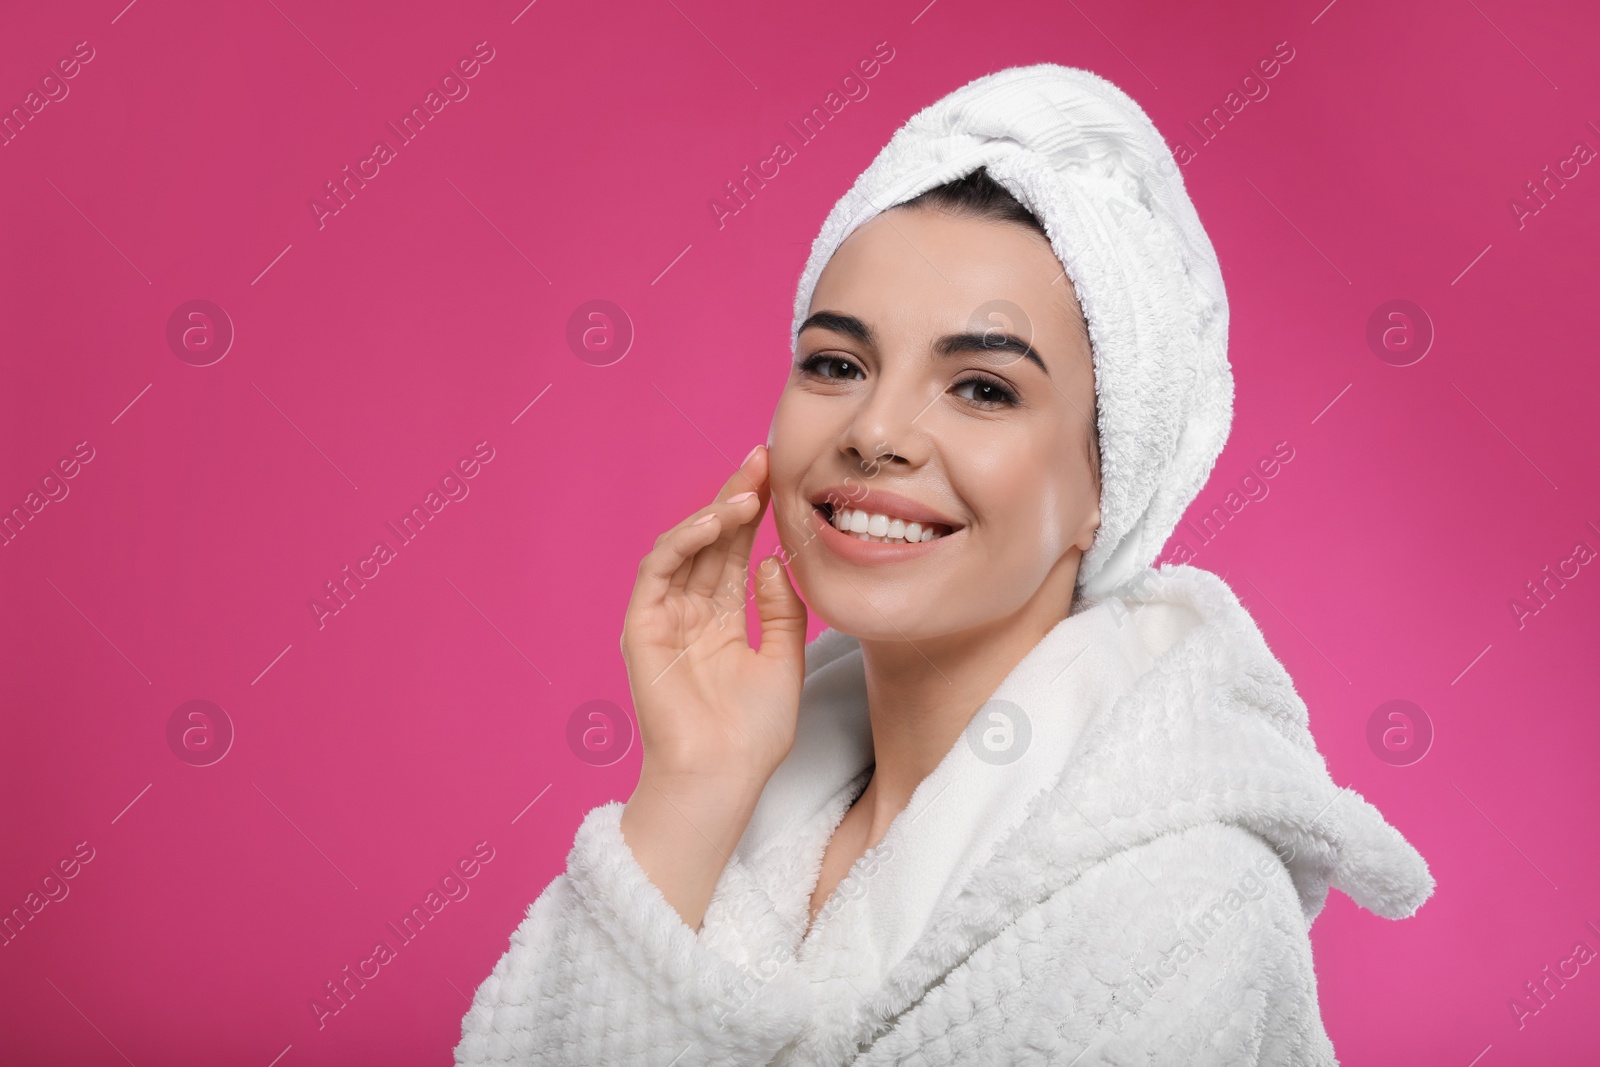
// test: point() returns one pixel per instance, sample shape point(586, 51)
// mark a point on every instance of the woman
point(1029, 799)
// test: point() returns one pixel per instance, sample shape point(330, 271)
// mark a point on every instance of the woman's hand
point(709, 705)
point(716, 716)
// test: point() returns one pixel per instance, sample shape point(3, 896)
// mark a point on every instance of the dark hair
point(977, 195)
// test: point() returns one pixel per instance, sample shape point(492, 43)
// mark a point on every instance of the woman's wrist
point(683, 828)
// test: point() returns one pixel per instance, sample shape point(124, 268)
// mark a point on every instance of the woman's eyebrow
point(954, 344)
point(848, 325)
point(988, 341)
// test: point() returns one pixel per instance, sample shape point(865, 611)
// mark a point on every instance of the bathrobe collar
point(1152, 711)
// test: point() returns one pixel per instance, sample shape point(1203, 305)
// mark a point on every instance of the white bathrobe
point(1118, 863)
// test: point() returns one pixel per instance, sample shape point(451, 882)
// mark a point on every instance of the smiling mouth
point(884, 529)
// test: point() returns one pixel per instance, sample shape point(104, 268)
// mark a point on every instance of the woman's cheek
point(789, 527)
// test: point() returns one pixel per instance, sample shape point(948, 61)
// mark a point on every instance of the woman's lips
point(883, 502)
point(854, 550)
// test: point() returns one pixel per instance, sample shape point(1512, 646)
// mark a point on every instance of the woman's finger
point(737, 513)
point(737, 567)
point(735, 502)
point(674, 551)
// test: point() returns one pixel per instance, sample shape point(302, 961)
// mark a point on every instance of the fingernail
point(746, 459)
point(741, 496)
point(707, 517)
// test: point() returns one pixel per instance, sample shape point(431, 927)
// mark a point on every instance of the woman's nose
point(889, 426)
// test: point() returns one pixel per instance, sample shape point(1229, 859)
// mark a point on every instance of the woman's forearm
point(682, 831)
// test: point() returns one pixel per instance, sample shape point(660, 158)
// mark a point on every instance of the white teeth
point(867, 526)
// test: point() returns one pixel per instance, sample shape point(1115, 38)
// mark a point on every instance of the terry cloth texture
point(1084, 158)
point(1136, 886)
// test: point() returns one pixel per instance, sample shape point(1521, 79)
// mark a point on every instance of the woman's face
point(916, 395)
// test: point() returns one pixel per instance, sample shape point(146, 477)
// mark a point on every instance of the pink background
point(371, 354)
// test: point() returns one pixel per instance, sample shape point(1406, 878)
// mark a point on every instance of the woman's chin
point(867, 614)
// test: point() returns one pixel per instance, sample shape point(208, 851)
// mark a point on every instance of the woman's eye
point(987, 392)
point(814, 365)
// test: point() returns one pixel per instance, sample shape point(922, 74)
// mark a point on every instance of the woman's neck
point(921, 695)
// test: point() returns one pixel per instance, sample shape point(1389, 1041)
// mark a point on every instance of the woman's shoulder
point(1188, 873)
point(1188, 947)
point(1202, 924)
point(1213, 892)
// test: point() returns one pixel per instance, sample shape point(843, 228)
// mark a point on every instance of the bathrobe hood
point(1210, 731)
